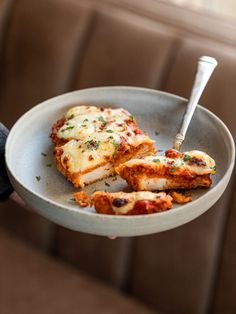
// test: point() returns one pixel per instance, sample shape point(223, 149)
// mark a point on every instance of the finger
point(17, 199)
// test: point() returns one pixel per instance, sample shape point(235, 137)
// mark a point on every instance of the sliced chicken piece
point(135, 203)
point(175, 170)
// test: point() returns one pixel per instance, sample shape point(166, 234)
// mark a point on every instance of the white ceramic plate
point(159, 114)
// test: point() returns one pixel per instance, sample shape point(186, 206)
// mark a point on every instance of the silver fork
point(205, 68)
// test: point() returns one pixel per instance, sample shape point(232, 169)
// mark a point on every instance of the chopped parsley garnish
point(156, 160)
point(84, 125)
point(48, 165)
point(107, 184)
point(72, 199)
point(213, 168)
point(186, 157)
point(109, 131)
point(111, 137)
point(116, 144)
point(83, 151)
point(173, 169)
point(131, 118)
point(100, 118)
point(157, 133)
point(71, 117)
point(92, 144)
point(85, 120)
point(44, 155)
point(38, 178)
point(68, 128)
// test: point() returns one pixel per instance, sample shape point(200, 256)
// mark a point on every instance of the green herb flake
point(116, 144)
point(131, 117)
point(213, 168)
point(84, 125)
point(107, 184)
point(48, 165)
point(156, 160)
point(72, 199)
point(173, 168)
point(38, 178)
point(186, 157)
point(85, 120)
point(68, 128)
point(100, 118)
point(44, 155)
point(109, 131)
point(71, 117)
point(92, 144)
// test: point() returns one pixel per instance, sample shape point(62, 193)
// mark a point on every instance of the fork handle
point(205, 67)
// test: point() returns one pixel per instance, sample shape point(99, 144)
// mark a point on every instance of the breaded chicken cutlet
point(91, 141)
point(175, 170)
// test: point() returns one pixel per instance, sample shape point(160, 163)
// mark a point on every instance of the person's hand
point(17, 199)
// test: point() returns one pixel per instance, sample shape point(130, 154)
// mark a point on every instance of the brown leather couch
point(49, 47)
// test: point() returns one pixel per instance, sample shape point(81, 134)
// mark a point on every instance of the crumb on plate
point(82, 198)
point(180, 198)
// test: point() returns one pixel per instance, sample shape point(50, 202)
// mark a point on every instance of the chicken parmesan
point(175, 170)
point(121, 203)
point(91, 141)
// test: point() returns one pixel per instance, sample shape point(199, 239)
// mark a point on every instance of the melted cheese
point(132, 199)
point(178, 164)
point(82, 122)
point(94, 134)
